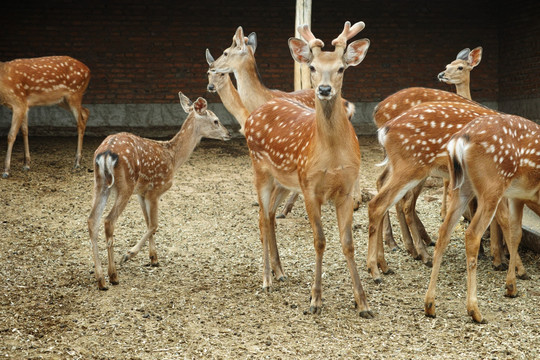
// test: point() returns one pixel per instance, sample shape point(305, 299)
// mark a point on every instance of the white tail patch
point(105, 166)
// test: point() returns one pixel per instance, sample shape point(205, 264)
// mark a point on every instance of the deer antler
point(348, 33)
point(313, 42)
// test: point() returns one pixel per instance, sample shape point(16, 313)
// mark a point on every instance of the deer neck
point(250, 87)
point(331, 121)
point(181, 146)
point(232, 102)
point(463, 89)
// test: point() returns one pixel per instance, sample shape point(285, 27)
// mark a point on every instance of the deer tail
point(105, 163)
point(457, 148)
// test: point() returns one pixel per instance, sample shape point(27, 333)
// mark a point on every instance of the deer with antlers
point(40, 81)
point(316, 151)
point(239, 59)
point(492, 157)
point(125, 164)
point(458, 74)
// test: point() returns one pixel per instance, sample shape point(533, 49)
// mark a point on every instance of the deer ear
point(463, 54)
point(356, 52)
point(199, 106)
point(185, 102)
point(475, 56)
point(300, 51)
point(209, 58)
point(238, 38)
point(252, 41)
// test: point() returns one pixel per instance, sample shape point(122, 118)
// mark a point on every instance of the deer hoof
point(366, 314)
point(266, 289)
point(5, 175)
point(500, 267)
point(429, 263)
point(524, 277)
point(315, 310)
point(281, 216)
point(126, 257)
point(26, 168)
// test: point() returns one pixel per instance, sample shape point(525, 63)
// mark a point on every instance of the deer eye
point(460, 67)
point(341, 70)
point(225, 54)
point(216, 122)
point(311, 68)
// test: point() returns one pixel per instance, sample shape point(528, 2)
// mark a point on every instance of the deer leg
point(149, 208)
point(444, 205)
point(387, 225)
point(278, 195)
point(344, 218)
point(458, 203)
point(80, 113)
point(497, 245)
point(405, 231)
point(515, 233)
point(24, 131)
point(473, 236)
point(101, 194)
point(17, 120)
point(119, 206)
point(264, 184)
point(413, 222)
point(390, 193)
point(313, 208)
point(288, 205)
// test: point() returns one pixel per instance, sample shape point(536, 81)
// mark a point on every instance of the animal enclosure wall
point(142, 53)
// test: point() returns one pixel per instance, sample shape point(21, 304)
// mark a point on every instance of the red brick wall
point(145, 52)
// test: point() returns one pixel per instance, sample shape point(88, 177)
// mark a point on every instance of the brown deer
point(222, 84)
point(415, 145)
point(492, 157)
point(125, 164)
point(297, 148)
point(458, 74)
point(239, 59)
point(39, 81)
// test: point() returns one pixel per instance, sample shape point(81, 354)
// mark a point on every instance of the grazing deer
point(316, 151)
point(415, 145)
point(39, 81)
point(239, 59)
point(492, 157)
point(127, 164)
point(457, 73)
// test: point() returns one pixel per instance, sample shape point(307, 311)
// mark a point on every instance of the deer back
point(502, 150)
point(42, 81)
point(418, 137)
point(405, 99)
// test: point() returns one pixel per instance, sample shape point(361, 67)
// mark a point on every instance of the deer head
point(205, 121)
point(458, 71)
point(327, 67)
point(241, 50)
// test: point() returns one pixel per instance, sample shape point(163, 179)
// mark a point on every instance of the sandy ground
point(205, 298)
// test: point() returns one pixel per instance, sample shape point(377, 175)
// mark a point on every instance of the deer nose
point(441, 75)
point(211, 87)
point(324, 90)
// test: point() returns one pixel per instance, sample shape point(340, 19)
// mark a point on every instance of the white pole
point(302, 79)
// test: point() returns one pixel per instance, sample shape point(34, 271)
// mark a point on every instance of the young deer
point(457, 73)
point(127, 164)
point(316, 151)
point(47, 80)
point(493, 156)
point(415, 145)
point(239, 59)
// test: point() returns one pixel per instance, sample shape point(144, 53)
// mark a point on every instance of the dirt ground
point(205, 298)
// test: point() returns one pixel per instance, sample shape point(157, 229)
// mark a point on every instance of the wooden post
point(302, 79)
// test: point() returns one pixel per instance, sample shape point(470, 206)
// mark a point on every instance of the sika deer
point(415, 145)
point(493, 156)
point(457, 73)
point(239, 59)
point(47, 80)
point(125, 164)
point(316, 151)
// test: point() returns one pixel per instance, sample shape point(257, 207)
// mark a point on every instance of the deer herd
point(303, 143)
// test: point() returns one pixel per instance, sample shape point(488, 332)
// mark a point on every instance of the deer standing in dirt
point(492, 157)
point(456, 73)
point(415, 145)
point(239, 59)
point(297, 148)
point(40, 81)
point(125, 164)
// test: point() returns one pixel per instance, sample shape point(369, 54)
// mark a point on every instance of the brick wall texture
point(146, 51)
